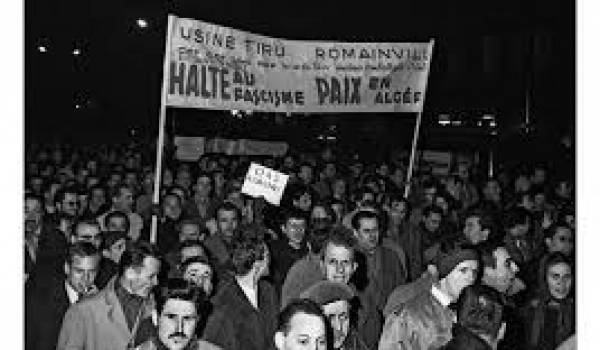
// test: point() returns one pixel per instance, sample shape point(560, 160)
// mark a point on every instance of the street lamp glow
point(142, 23)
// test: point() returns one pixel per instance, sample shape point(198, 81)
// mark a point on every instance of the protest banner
point(264, 182)
point(216, 67)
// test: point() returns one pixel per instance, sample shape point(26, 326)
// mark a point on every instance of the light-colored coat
point(97, 323)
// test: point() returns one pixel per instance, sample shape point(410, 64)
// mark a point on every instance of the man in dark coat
point(480, 323)
point(46, 306)
point(245, 307)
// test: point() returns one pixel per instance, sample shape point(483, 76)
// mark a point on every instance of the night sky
point(487, 53)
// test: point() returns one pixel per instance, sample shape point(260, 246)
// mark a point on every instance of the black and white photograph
point(294, 175)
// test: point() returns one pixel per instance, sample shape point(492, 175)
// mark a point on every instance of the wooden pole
point(161, 130)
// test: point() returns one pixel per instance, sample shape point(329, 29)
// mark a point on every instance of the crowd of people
point(466, 261)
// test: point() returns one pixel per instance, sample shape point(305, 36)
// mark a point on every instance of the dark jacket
point(283, 256)
point(548, 322)
point(45, 308)
point(236, 325)
point(464, 339)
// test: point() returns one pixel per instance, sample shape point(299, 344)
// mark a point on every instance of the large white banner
point(216, 67)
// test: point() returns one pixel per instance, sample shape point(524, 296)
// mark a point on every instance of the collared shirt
point(440, 296)
point(71, 293)
point(251, 294)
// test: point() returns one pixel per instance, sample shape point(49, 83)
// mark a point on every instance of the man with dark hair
point(199, 272)
point(65, 201)
point(96, 202)
point(228, 218)
point(499, 273)
point(115, 221)
point(425, 320)
point(113, 318)
point(113, 246)
point(478, 227)
point(245, 306)
point(45, 245)
point(479, 325)
point(301, 325)
point(171, 211)
point(191, 229)
point(517, 240)
point(179, 311)
point(122, 200)
point(46, 305)
point(335, 300)
point(422, 242)
point(331, 258)
point(290, 248)
point(379, 271)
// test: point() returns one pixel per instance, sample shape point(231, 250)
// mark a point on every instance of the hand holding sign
point(264, 182)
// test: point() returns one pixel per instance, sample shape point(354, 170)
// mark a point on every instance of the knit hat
point(111, 237)
point(446, 262)
point(325, 292)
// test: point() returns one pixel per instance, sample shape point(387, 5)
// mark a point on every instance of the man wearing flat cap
point(334, 299)
point(425, 321)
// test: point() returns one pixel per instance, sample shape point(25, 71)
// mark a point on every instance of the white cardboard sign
point(264, 182)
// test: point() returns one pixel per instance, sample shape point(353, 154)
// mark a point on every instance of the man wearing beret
point(334, 298)
point(425, 320)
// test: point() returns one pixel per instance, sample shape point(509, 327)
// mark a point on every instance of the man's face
point(319, 218)
point(82, 272)
point(432, 221)
point(539, 176)
point(114, 179)
point(338, 263)
point(33, 215)
point(520, 230)
point(172, 207)
point(36, 185)
point(330, 170)
point(562, 241)
point(564, 190)
point(522, 184)
point(190, 232)
point(307, 332)
point(295, 229)
point(504, 274)
point(461, 276)
point(397, 211)
point(560, 280)
point(183, 179)
point(491, 191)
point(142, 279)
point(88, 233)
point(227, 222)
point(131, 179)
point(368, 233)
point(116, 250)
point(98, 197)
point(177, 323)
point(338, 314)
point(203, 186)
point(69, 204)
point(304, 202)
point(306, 174)
point(124, 202)
point(463, 171)
point(357, 169)
point(473, 230)
point(200, 275)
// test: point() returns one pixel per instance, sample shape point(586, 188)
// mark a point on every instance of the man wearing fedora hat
point(335, 300)
point(424, 321)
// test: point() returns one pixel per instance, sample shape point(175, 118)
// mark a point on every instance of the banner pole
point(417, 127)
point(161, 131)
point(412, 155)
